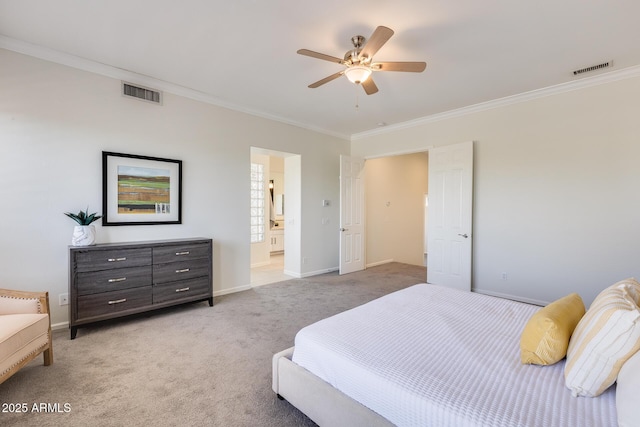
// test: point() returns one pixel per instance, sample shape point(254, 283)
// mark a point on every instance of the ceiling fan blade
point(326, 80)
point(322, 56)
point(414, 67)
point(375, 42)
point(369, 86)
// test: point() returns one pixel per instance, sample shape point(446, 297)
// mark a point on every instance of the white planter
point(83, 235)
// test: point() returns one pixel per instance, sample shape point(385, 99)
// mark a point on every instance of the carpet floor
point(191, 365)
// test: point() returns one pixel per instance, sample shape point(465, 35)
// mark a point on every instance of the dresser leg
point(211, 302)
point(74, 332)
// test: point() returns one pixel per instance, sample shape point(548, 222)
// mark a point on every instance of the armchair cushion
point(25, 330)
point(21, 335)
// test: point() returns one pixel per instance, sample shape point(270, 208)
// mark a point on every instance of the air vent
point(593, 68)
point(143, 93)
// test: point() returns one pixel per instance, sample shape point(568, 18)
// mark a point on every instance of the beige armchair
point(25, 330)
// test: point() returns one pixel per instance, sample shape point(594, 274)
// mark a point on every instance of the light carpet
point(191, 365)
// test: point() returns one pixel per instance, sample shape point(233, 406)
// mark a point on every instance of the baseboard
point(59, 326)
point(317, 272)
point(374, 264)
point(231, 290)
point(511, 297)
point(292, 274)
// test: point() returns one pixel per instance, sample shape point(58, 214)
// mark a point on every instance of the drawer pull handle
point(184, 270)
point(119, 279)
point(182, 253)
point(118, 301)
point(124, 258)
point(182, 290)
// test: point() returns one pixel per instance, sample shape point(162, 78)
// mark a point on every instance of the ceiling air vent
point(593, 68)
point(143, 93)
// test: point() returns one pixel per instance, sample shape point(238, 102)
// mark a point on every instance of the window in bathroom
point(257, 203)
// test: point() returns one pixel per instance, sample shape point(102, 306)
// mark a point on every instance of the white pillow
point(607, 335)
point(627, 393)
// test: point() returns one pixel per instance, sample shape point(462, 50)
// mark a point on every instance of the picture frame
point(140, 190)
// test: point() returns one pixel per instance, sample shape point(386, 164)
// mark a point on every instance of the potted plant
point(84, 234)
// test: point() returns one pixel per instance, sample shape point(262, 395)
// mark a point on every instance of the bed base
point(317, 399)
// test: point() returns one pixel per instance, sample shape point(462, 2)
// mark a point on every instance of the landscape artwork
point(140, 190)
point(143, 190)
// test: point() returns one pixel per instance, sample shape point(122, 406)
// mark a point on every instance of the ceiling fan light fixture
point(357, 74)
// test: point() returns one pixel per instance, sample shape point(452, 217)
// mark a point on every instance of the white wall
point(54, 123)
point(394, 194)
point(557, 193)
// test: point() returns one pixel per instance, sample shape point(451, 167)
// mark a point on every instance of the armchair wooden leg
point(48, 356)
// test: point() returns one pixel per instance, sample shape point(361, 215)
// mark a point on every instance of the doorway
point(269, 257)
point(396, 209)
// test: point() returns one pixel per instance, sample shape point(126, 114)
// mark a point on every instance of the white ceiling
point(242, 53)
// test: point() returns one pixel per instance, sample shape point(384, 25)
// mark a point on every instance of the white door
point(351, 214)
point(450, 208)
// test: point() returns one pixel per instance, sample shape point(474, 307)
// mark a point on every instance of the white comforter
point(434, 356)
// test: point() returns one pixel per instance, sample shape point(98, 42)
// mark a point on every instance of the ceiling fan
point(359, 61)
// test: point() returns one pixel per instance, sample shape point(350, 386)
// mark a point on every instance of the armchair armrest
point(17, 302)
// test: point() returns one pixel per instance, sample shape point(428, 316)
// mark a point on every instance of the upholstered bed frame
point(317, 399)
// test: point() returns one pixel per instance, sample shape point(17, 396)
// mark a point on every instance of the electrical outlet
point(504, 276)
point(64, 299)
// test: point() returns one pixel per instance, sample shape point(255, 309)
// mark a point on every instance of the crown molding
point(62, 58)
point(72, 61)
point(583, 83)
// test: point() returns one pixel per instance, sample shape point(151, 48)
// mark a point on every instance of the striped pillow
point(607, 335)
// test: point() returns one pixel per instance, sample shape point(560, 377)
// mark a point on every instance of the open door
point(351, 214)
point(450, 212)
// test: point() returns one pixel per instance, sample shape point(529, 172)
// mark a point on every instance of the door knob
point(343, 229)
point(463, 235)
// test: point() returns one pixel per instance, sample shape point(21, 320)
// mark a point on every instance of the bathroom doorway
point(268, 255)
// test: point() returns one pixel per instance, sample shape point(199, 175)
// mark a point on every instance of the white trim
point(375, 264)
point(400, 153)
point(511, 297)
point(292, 274)
point(59, 326)
point(585, 82)
point(231, 291)
point(72, 61)
point(310, 273)
point(141, 79)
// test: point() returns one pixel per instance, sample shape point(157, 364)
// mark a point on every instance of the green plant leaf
point(83, 218)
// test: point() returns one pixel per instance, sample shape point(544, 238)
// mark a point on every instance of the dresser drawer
point(112, 280)
point(180, 253)
point(92, 260)
point(115, 279)
point(113, 302)
point(173, 271)
point(185, 289)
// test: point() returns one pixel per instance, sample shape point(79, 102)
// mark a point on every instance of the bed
point(429, 356)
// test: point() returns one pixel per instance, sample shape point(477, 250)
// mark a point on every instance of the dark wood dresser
point(119, 279)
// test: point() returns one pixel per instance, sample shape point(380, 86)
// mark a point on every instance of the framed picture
point(140, 190)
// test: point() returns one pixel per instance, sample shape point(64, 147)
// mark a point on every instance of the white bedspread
point(434, 356)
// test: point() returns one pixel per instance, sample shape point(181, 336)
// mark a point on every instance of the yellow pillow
point(545, 337)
